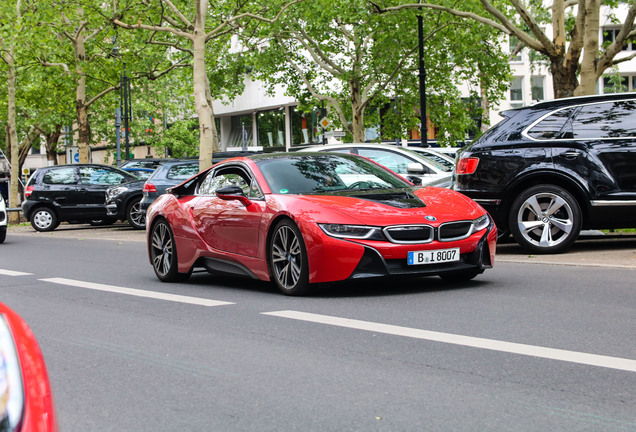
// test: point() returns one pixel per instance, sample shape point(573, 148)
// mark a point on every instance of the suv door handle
point(571, 154)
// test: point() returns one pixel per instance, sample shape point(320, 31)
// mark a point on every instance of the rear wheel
point(44, 219)
point(135, 217)
point(163, 253)
point(288, 262)
point(545, 219)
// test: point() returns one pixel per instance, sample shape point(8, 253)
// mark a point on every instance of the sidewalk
point(617, 251)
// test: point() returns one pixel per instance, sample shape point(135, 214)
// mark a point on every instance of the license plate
point(433, 256)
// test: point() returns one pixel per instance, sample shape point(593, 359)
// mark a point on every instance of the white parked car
point(435, 153)
point(409, 164)
point(3, 219)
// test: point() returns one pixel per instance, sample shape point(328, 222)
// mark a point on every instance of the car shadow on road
point(377, 287)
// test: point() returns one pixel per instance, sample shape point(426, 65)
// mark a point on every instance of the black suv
point(70, 193)
point(551, 169)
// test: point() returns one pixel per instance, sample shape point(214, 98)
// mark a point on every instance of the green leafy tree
point(202, 31)
point(573, 48)
point(364, 66)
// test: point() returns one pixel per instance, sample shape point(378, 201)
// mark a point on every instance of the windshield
point(325, 173)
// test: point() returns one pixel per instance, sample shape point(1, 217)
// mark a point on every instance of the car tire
point(135, 217)
point(287, 257)
point(102, 222)
point(545, 219)
point(163, 253)
point(44, 219)
point(3, 234)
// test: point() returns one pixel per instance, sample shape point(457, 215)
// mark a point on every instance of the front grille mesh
point(455, 230)
point(410, 234)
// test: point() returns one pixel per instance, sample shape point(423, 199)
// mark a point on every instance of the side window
point(393, 161)
point(551, 126)
point(60, 176)
point(100, 176)
point(606, 120)
point(229, 177)
point(182, 172)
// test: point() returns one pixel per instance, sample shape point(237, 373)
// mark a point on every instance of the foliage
point(366, 65)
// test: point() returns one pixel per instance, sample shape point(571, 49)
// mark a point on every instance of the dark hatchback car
point(70, 193)
point(551, 169)
point(167, 175)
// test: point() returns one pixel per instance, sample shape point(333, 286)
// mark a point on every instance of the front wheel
point(3, 234)
point(545, 219)
point(289, 266)
point(135, 217)
point(163, 254)
point(44, 219)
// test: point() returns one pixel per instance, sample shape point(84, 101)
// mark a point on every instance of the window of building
point(610, 34)
point(615, 83)
point(305, 129)
point(271, 128)
point(516, 92)
point(537, 84)
point(241, 131)
point(513, 42)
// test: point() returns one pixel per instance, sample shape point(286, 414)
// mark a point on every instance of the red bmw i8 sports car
point(305, 218)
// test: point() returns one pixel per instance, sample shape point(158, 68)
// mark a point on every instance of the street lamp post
point(423, 127)
point(125, 108)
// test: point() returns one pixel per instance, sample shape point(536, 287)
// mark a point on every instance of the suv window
point(606, 120)
point(61, 176)
point(549, 127)
point(182, 172)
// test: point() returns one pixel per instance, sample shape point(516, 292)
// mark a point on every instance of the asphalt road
point(530, 345)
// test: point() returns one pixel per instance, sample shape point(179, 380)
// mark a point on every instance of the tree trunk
point(12, 134)
point(590, 48)
point(83, 127)
point(357, 112)
point(564, 81)
point(208, 138)
point(52, 138)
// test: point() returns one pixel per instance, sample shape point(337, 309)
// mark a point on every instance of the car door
point(59, 187)
point(607, 131)
point(229, 225)
point(94, 180)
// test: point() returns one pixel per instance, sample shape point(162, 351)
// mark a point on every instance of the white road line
point(13, 273)
point(490, 344)
point(136, 292)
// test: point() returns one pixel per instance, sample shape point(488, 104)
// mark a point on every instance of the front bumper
point(372, 264)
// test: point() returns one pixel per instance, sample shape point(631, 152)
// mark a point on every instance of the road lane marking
point(469, 341)
point(13, 273)
point(137, 292)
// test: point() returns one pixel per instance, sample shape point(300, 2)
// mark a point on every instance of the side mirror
point(233, 193)
point(417, 181)
point(415, 168)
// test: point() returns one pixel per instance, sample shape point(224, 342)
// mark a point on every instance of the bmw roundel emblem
point(430, 218)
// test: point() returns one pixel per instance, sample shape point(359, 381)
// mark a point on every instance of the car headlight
point(352, 231)
point(113, 192)
point(481, 222)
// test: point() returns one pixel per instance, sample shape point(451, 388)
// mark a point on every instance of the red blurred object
point(26, 400)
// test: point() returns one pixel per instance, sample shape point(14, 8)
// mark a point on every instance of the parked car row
point(101, 194)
